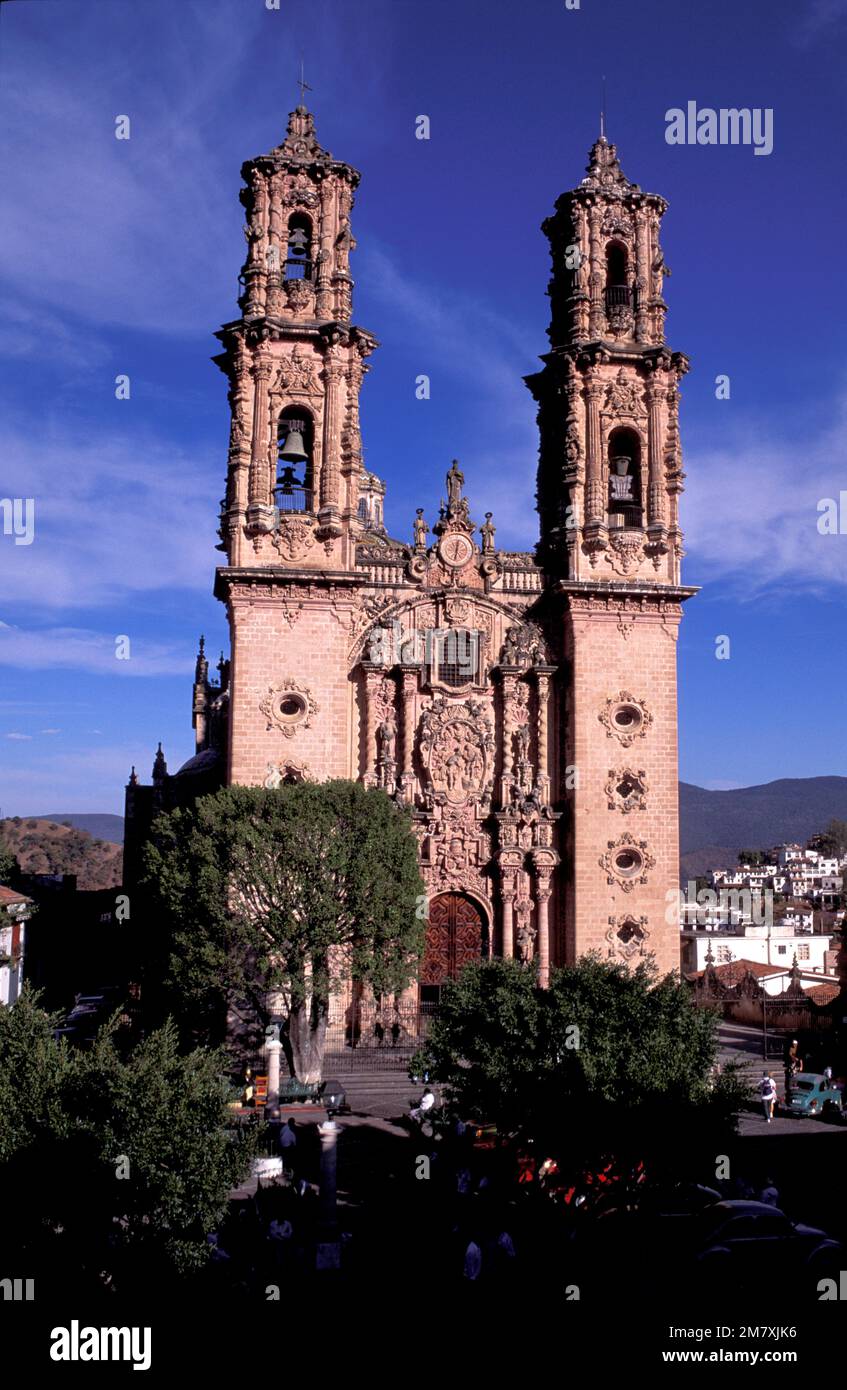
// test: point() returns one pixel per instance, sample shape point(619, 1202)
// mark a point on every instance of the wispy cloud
point(103, 227)
point(750, 509)
point(819, 19)
point(489, 354)
point(81, 649)
point(22, 738)
point(116, 515)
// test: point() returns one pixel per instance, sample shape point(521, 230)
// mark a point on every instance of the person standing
point(288, 1146)
point(767, 1091)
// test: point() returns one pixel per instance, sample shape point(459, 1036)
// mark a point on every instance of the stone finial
point(604, 169)
point(160, 767)
point(201, 670)
point(301, 144)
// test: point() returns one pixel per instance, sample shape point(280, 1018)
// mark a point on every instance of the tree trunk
point(307, 1039)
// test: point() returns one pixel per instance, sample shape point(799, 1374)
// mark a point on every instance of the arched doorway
point(455, 936)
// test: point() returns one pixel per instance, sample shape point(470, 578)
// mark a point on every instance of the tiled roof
point(823, 994)
point(733, 970)
point(8, 896)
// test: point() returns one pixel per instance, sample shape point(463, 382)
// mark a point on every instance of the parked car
point(813, 1094)
point(752, 1242)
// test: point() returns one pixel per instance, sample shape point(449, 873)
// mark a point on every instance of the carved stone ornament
point(627, 861)
point(457, 749)
point(524, 646)
point(625, 718)
point(297, 375)
point(300, 193)
point(288, 707)
point(627, 936)
point(626, 549)
point(299, 294)
point(624, 396)
point(626, 790)
point(293, 537)
point(279, 773)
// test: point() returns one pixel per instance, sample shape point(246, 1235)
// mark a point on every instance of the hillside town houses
point(777, 922)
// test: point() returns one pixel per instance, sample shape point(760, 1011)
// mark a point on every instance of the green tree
point(118, 1166)
point(268, 900)
point(9, 867)
point(605, 1061)
point(752, 856)
point(831, 842)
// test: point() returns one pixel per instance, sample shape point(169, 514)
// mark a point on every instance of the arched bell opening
point(294, 487)
point(625, 506)
point(618, 289)
point(298, 253)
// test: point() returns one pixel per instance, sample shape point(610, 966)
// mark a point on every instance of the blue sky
point(122, 257)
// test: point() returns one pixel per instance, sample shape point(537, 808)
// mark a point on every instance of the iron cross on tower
point(303, 85)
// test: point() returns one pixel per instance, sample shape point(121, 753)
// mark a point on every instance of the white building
point(14, 910)
point(774, 945)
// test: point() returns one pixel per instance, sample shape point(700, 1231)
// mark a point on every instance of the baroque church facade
point(522, 705)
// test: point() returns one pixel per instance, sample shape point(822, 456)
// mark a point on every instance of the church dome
point(201, 765)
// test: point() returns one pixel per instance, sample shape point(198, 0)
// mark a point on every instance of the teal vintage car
point(814, 1095)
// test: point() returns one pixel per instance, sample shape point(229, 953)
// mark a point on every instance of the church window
point(628, 863)
point(456, 657)
point(627, 718)
point(298, 260)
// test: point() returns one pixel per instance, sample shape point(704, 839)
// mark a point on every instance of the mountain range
point(713, 825)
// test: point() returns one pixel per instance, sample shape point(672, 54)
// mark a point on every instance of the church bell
point(292, 451)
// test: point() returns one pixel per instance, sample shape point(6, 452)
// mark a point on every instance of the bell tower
point(610, 546)
point(295, 363)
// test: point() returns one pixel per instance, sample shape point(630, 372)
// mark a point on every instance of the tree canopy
point(603, 1061)
point(117, 1166)
point(264, 901)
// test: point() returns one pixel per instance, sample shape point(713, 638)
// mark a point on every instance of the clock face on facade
point(455, 551)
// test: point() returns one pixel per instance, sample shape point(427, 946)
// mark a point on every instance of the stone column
point(542, 898)
point(373, 675)
point(507, 751)
point(656, 486)
point(508, 896)
point(260, 493)
point(274, 1048)
point(329, 1248)
point(597, 309)
point(409, 676)
point(543, 770)
point(323, 253)
point(329, 514)
point(595, 490)
point(643, 272)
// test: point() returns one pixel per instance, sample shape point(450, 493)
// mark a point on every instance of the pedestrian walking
point(767, 1091)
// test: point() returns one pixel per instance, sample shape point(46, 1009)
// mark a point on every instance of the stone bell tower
point(295, 363)
point(610, 545)
point(298, 497)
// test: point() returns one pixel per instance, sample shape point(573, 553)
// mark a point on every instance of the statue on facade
point(526, 943)
point(420, 530)
point(455, 483)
